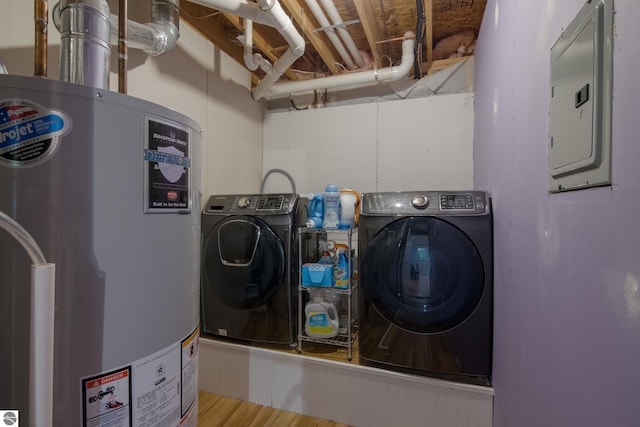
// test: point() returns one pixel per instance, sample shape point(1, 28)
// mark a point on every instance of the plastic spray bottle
point(341, 269)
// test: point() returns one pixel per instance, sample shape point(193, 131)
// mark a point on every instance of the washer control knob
point(420, 202)
point(243, 202)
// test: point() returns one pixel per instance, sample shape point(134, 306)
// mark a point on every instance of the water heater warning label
point(107, 399)
point(160, 389)
point(29, 133)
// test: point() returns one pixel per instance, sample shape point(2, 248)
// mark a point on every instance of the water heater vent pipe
point(88, 29)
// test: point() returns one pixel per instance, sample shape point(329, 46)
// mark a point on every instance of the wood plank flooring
point(215, 410)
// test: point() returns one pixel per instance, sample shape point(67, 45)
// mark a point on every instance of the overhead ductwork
point(84, 42)
point(88, 29)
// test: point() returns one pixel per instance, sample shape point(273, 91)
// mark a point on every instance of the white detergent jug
point(322, 319)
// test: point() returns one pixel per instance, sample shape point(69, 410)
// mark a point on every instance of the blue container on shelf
point(317, 275)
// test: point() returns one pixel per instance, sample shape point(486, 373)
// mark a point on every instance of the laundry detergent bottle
point(315, 209)
point(331, 198)
point(322, 319)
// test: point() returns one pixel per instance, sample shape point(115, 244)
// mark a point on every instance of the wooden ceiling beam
point(370, 26)
point(300, 17)
point(428, 34)
point(213, 30)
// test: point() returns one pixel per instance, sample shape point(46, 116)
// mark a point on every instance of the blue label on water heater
point(29, 133)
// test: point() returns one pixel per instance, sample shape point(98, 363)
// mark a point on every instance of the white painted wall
point(414, 144)
point(195, 79)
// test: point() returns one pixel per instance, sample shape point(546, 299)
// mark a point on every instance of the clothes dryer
point(426, 274)
point(249, 267)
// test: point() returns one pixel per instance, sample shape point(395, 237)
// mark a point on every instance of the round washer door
point(422, 274)
point(243, 262)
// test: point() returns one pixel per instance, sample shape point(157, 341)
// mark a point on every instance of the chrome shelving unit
point(309, 240)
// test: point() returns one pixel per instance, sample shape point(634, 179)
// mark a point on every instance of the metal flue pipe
point(88, 30)
point(85, 50)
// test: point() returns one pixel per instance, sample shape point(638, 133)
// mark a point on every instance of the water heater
point(109, 187)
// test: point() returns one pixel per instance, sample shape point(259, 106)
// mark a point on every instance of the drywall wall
point(567, 265)
point(413, 144)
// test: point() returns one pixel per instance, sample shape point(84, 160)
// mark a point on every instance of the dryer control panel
point(426, 203)
point(246, 204)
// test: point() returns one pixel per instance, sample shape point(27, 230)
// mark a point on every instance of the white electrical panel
point(581, 91)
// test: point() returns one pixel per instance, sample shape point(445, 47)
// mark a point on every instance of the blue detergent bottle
point(315, 211)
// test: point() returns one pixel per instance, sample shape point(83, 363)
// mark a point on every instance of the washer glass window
point(422, 274)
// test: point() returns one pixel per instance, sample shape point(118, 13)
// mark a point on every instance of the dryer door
point(243, 262)
point(422, 274)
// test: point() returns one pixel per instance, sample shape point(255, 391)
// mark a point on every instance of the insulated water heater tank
point(108, 185)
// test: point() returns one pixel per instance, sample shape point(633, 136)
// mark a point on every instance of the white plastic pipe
point(267, 12)
point(350, 79)
point(330, 32)
point(330, 7)
point(43, 296)
point(43, 293)
point(253, 60)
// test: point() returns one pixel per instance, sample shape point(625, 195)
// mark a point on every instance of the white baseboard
point(347, 393)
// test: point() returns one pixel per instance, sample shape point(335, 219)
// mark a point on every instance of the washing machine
point(249, 267)
point(426, 274)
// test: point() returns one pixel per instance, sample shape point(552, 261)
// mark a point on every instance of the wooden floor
point(215, 410)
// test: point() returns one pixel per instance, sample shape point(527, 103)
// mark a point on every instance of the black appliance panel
point(249, 256)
